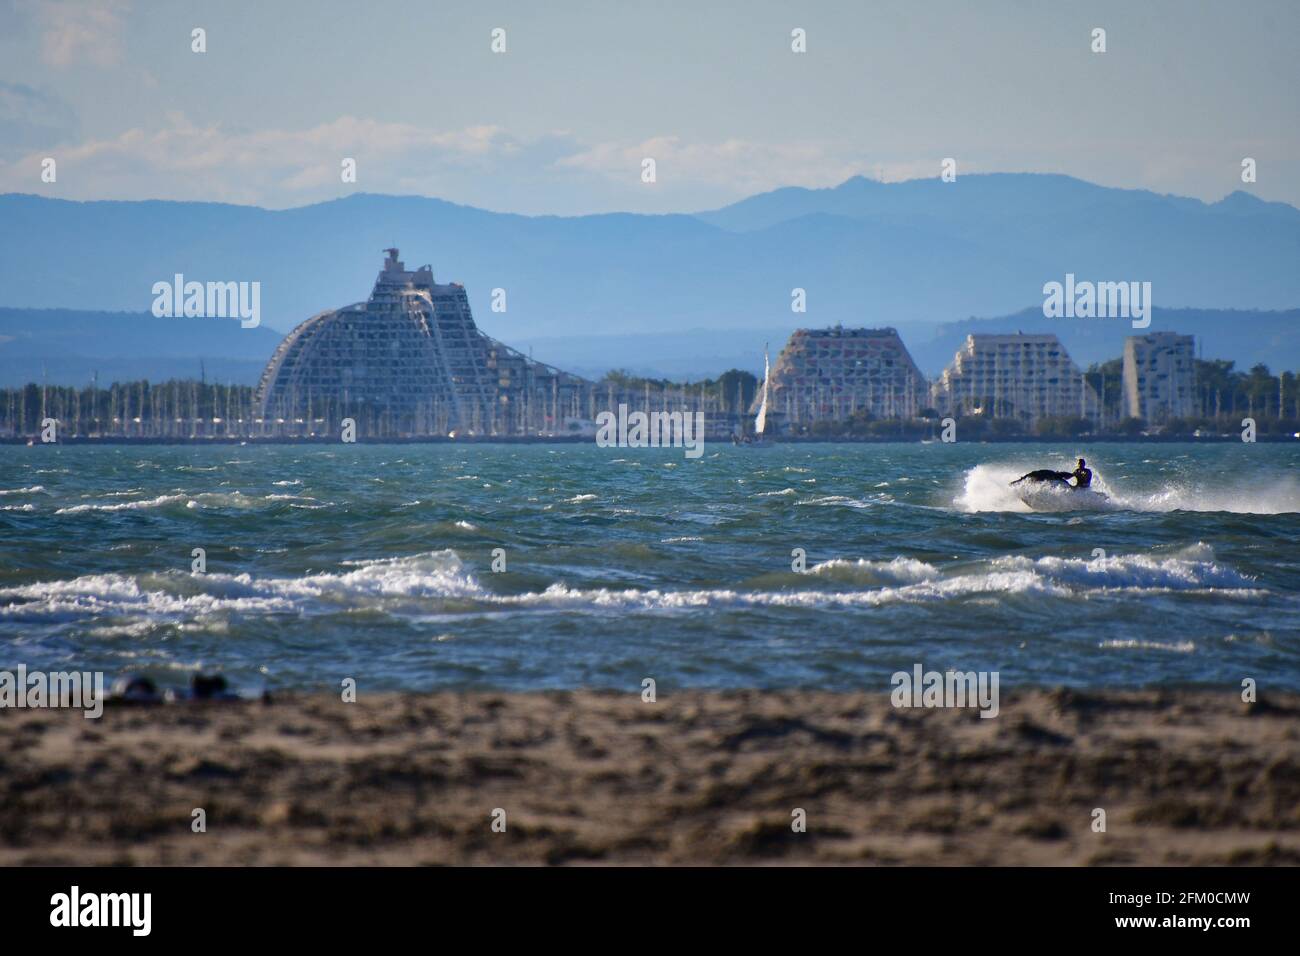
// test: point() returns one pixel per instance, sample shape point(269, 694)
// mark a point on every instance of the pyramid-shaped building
point(410, 362)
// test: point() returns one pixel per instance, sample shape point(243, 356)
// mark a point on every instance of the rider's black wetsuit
point(1082, 477)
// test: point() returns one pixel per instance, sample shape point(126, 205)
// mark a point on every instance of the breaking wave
point(206, 499)
point(900, 570)
point(439, 582)
point(160, 502)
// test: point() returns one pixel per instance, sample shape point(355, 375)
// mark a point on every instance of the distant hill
point(68, 347)
point(615, 290)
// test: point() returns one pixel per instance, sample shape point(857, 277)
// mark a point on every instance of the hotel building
point(1026, 377)
point(831, 374)
point(1159, 376)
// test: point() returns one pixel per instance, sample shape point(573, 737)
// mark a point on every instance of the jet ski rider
point(1082, 475)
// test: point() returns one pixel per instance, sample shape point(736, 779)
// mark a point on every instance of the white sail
point(760, 420)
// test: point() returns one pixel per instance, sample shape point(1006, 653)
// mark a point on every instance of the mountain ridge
point(914, 254)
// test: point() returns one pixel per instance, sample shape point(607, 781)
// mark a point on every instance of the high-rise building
point(831, 374)
point(411, 361)
point(1159, 376)
point(1025, 377)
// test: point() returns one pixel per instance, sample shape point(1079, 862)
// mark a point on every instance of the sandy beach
point(1185, 777)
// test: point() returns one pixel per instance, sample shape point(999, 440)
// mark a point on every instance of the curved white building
point(410, 361)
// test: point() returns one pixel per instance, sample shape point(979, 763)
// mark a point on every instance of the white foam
point(561, 597)
point(207, 499)
point(844, 500)
point(1192, 568)
point(1276, 496)
point(1179, 647)
point(900, 570)
point(419, 584)
point(117, 594)
point(159, 502)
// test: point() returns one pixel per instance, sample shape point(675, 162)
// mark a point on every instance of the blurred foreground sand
point(696, 778)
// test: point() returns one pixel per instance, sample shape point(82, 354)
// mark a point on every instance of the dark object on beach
point(139, 689)
point(207, 686)
point(1045, 474)
point(135, 689)
point(210, 687)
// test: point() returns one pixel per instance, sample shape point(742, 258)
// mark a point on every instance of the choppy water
point(374, 562)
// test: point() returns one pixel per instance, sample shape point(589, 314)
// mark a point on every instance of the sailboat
point(760, 420)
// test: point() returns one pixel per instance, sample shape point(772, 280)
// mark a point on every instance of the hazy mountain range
point(679, 295)
point(70, 347)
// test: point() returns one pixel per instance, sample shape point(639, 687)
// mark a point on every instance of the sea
point(539, 566)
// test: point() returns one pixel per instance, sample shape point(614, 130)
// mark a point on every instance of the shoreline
point(1186, 777)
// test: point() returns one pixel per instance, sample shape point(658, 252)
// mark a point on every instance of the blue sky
point(561, 122)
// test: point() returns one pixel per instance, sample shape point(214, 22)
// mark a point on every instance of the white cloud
point(741, 167)
point(479, 165)
point(184, 160)
point(75, 32)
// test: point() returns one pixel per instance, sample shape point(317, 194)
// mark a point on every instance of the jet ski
point(1048, 490)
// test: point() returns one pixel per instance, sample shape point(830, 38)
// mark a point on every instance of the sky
point(562, 121)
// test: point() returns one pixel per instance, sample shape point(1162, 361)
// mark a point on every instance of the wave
point(31, 490)
point(900, 570)
point(438, 581)
point(988, 488)
point(1190, 568)
point(206, 499)
point(160, 502)
point(1130, 644)
point(96, 595)
point(1281, 496)
point(832, 500)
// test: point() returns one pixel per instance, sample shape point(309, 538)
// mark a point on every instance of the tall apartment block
point(411, 361)
point(1159, 376)
point(830, 374)
point(1020, 376)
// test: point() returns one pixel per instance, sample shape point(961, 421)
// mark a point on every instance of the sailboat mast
point(760, 420)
